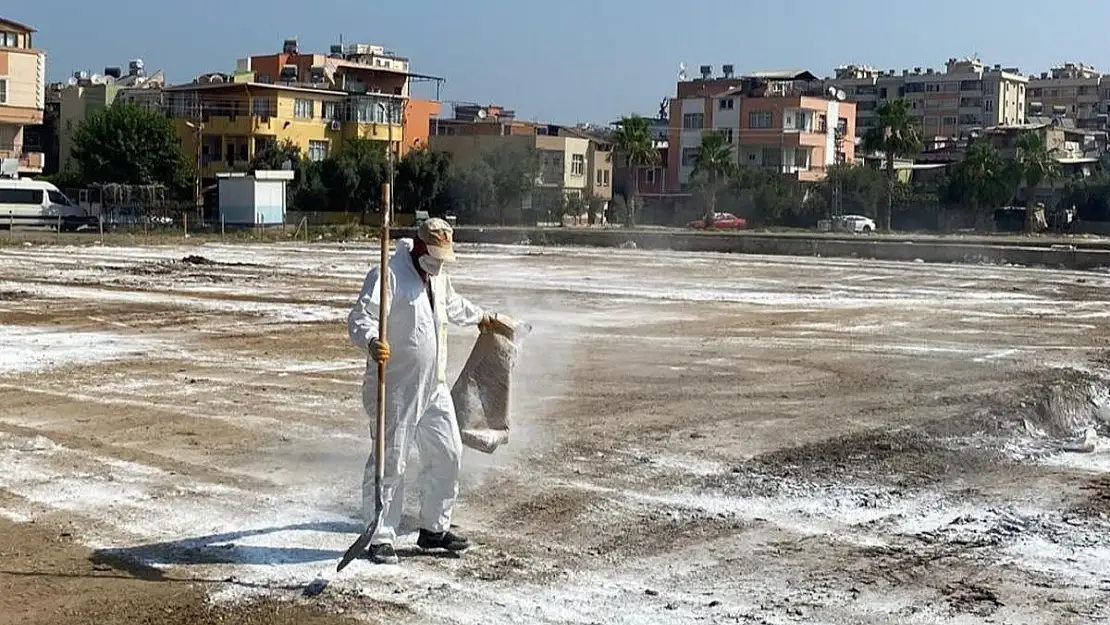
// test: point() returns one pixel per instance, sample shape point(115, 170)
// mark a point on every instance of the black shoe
point(382, 554)
point(442, 540)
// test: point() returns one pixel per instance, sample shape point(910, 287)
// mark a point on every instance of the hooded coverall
point(418, 403)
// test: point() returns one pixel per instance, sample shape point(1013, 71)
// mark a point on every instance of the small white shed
point(256, 199)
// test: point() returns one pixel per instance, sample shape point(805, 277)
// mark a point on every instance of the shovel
point(363, 541)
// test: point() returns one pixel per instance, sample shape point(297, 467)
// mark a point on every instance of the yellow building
point(225, 123)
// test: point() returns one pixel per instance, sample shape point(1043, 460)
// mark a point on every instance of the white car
point(854, 223)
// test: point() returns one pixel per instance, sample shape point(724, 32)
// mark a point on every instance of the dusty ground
point(702, 439)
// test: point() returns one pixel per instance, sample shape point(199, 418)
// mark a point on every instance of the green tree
point(714, 165)
point(129, 144)
point(980, 182)
point(423, 179)
point(273, 155)
point(861, 190)
point(895, 135)
point(633, 140)
point(310, 194)
point(354, 177)
point(514, 178)
point(1033, 165)
point(473, 193)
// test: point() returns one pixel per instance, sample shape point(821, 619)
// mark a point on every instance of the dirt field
point(699, 439)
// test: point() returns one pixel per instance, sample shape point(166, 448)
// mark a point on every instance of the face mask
point(431, 266)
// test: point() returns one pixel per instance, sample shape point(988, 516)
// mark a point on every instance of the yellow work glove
point(379, 350)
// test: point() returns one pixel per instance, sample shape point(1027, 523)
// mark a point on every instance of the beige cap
point(438, 235)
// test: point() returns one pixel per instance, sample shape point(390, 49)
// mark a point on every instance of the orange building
point(784, 121)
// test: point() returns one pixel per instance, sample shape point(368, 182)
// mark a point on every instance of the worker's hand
point(487, 322)
point(379, 350)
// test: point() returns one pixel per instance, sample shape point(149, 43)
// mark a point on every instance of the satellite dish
point(71, 81)
point(682, 71)
point(840, 95)
point(482, 113)
point(96, 79)
point(832, 92)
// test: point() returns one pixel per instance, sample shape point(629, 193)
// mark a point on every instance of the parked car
point(854, 223)
point(721, 221)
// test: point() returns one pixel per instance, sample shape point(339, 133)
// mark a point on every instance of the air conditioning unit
point(334, 124)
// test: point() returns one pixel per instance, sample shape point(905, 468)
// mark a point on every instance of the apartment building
point(226, 121)
point(563, 161)
point(780, 120)
point(1071, 90)
point(22, 96)
point(492, 123)
point(84, 94)
point(967, 95)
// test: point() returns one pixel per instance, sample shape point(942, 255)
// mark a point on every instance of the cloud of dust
point(542, 376)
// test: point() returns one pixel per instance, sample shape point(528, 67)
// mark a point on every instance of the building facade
point(1073, 91)
point(22, 95)
point(563, 162)
point(966, 96)
point(86, 93)
point(777, 120)
point(225, 124)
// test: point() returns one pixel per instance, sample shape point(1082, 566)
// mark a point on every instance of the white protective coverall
point(417, 399)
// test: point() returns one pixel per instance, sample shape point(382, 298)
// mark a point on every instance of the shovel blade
point(358, 547)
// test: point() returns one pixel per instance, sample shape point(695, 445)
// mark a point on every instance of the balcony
point(29, 162)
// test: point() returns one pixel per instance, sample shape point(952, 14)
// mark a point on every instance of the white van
point(38, 203)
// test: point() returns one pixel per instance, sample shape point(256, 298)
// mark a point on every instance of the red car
point(721, 221)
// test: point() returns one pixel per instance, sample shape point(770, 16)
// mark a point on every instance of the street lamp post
point(198, 126)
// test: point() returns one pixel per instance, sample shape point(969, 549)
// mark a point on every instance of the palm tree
point(895, 135)
point(981, 181)
point(633, 139)
point(1033, 166)
point(715, 164)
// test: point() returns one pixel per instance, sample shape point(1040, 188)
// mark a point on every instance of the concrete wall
point(934, 251)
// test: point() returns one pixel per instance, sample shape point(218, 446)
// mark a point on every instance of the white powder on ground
point(31, 349)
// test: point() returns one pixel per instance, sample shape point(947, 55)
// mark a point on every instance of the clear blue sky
point(571, 60)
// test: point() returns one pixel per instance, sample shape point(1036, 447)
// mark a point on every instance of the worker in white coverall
point(418, 404)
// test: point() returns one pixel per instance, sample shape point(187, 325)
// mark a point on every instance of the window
point(263, 107)
point(727, 134)
point(9, 39)
point(801, 159)
point(605, 178)
point(331, 111)
point(302, 109)
point(760, 119)
point(244, 153)
point(988, 105)
point(689, 157)
point(649, 176)
point(692, 121)
point(948, 121)
point(4, 91)
point(577, 164)
point(598, 183)
point(57, 198)
point(726, 104)
point(866, 90)
point(21, 196)
point(317, 151)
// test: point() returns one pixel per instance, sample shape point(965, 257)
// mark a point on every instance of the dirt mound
point(1001, 428)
